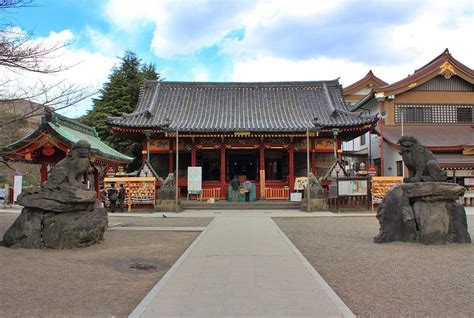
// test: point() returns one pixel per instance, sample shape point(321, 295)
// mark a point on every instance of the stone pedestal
point(59, 218)
point(316, 201)
point(36, 228)
point(166, 201)
point(424, 212)
point(167, 206)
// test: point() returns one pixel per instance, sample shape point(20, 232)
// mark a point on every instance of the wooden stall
point(141, 191)
point(380, 186)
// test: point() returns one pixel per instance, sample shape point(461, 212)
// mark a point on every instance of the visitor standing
point(121, 197)
point(235, 184)
point(103, 197)
point(248, 189)
point(112, 194)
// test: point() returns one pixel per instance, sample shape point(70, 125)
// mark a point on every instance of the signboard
point(194, 180)
point(17, 187)
point(159, 145)
point(296, 197)
point(352, 187)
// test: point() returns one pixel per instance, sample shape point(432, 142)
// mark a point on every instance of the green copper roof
point(70, 132)
point(75, 132)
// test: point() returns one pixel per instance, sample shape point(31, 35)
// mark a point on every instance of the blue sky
point(258, 40)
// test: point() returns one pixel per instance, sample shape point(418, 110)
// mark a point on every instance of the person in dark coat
point(121, 197)
point(235, 184)
point(113, 196)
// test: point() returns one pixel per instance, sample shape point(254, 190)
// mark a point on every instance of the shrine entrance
point(242, 163)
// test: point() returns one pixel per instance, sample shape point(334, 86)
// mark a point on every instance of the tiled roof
point(276, 106)
point(70, 131)
point(427, 72)
point(366, 80)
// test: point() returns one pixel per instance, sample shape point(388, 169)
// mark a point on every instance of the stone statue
point(62, 213)
point(424, 208)
point(71, 169)
point(421, 163)
point(313, 181)
point(168, 182)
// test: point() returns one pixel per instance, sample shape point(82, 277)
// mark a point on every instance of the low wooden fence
point(277, 193)
point(211, 193)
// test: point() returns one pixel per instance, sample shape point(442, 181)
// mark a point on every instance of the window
point(159, 162)
point(276, 165)
point(464, 114)
point(209, 160)
point(421, 114)
point(399, 168)
point(184, 163)
point(363, 139)
point(301, 163)
point(434, 113)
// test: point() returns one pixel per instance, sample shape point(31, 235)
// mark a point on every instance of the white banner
point(194, 180)
point(17, 187)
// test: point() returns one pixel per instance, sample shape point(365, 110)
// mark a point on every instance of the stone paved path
point(242, 266)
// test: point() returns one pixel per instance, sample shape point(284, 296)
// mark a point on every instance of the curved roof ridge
point(71, 123)
point(366, 79)
point(426, 70)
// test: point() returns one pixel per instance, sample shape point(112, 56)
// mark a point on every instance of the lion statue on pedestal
point(421, 163)
point(70, 170)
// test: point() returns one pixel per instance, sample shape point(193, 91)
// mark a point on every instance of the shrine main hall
point(256, 131)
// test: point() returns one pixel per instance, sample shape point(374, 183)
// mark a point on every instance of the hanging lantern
point(48, 151)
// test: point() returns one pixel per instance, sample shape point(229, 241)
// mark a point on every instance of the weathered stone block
point(433, 221)
point(423, 212)
point(36, 228)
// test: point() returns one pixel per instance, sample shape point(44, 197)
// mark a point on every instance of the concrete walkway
point(242, 266)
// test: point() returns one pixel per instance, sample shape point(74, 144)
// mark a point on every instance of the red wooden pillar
point(193, 156)
point(262, 171)
point(291, 163)
point(223, 183)
point(44, 172)
point(313, 155)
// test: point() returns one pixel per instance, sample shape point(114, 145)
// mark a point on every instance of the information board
point(17, 186)
point(194, 180)
point(352, 187)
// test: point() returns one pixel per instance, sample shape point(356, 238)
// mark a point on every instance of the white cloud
point(84, 69)
point(101, 42)
point(288, 40)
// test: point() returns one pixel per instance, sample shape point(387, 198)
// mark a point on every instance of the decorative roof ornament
point(447, 70)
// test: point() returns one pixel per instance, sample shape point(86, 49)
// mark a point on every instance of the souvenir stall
point(140, 189)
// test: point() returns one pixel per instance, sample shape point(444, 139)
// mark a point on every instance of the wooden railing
point(277, 193)
point(211, 193)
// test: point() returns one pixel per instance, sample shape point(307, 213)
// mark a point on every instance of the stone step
point(225, 205)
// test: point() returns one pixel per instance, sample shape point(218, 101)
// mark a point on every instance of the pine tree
point(119, 95)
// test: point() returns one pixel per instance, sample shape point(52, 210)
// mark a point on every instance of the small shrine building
point(255, 131)
point(54, 138)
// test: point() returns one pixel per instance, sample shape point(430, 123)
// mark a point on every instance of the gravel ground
point(93, 281)
point(386, 280)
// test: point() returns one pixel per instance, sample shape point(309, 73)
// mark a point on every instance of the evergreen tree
point(119, 95)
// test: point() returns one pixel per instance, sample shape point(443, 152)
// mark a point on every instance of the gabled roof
point(69, 132)
point(368, 80)
point(444, 64)
point(220, 107)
